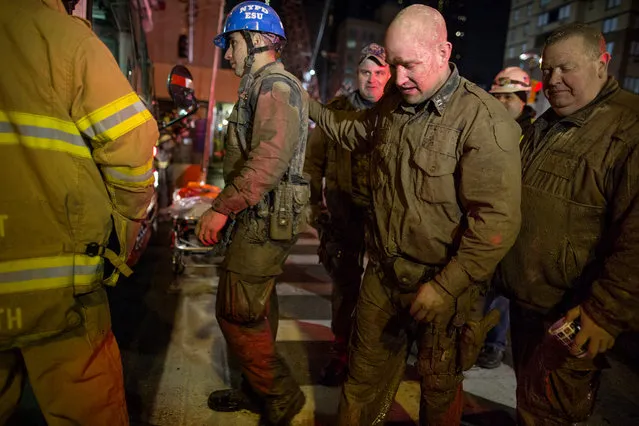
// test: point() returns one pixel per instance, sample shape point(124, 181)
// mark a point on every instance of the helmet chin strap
point(251, 50)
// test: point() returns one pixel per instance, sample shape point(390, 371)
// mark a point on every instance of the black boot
point(229, 400)
point(334, 374)
point(490, 357)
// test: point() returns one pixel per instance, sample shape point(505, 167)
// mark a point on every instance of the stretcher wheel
point(177, 263)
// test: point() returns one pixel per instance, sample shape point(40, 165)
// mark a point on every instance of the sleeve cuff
point(453, 278)
point(314, 109)
point(229, 202)
point(220, 207)
point(602, 320)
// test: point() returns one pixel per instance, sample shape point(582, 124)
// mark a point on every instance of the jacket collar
point(527, 115)
point(358, 102)
point(441, 98)
point(265, 68)
point(439, 101)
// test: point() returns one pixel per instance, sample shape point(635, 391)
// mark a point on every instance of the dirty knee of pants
point(243, 298)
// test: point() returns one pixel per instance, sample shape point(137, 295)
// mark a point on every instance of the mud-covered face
point(236, 52)
point(417, 64)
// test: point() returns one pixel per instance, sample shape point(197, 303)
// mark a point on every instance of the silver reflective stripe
point(121, 176)
point(42, 132)
point(115, 119)
point(48, 133)
point(43, 273)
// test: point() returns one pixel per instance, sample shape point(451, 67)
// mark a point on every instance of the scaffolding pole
point(210, 116)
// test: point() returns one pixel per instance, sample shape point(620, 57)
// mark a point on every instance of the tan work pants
point(77, 378)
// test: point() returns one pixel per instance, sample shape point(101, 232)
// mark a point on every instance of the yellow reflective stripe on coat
point(45, 273)
point(115, 119)
point(131, 176)
point(41, 132)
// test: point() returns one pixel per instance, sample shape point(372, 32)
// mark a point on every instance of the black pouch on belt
point(408, 275)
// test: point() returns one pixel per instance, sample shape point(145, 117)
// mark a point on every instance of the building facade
point(531, 21)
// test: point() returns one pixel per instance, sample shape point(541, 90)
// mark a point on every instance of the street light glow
point(530, 55)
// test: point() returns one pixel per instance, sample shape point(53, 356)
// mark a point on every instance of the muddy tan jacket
point(346, 172)
point(276, 128)
point(445, 178)
point(75, 158)
point(579, 241)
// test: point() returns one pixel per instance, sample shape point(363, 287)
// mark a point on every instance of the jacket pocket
point(245, 300)
point(559, 164)
point(435, 180)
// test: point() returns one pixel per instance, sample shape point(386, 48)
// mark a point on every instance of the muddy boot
point(295, 406)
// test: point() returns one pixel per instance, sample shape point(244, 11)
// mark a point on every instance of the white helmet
point(511, 80)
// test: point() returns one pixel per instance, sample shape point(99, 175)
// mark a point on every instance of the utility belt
point(285, 208)
point(467, 322)
point(407, 276)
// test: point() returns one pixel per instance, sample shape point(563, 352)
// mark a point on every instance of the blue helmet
point(251, 16)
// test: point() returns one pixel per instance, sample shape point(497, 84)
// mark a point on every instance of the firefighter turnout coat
point(75, 162)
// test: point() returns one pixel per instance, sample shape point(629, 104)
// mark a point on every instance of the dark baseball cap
point(374, 52)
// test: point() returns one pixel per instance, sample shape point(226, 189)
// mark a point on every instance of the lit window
point(351, 44)
point(516, 15)
point(632, 84)
point(613, 3)
point(610, 25)
point(544, 2)
point(511, 52)
point(610, 47)
point(542, 19)
point(564, 12)
point(524, 47)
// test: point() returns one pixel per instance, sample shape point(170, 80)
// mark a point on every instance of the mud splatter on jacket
point(275, 130)
point(445, 177)
point(579, 241)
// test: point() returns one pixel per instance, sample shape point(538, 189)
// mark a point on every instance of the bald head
point(422, 22)
point(416, 47)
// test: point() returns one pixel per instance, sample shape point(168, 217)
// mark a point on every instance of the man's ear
point(602, 65)
point(258, 40)
point(445, 49)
